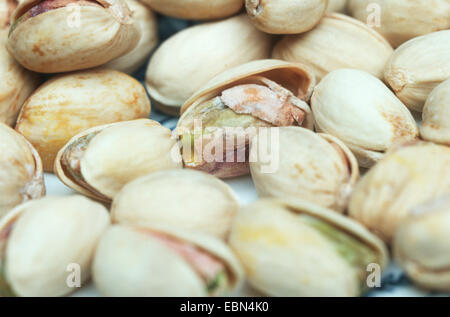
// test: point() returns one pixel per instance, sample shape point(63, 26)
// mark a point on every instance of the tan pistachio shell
point(422, 244)
point(295, 248)
point(406, 177)
point(67, 39)
point(436, 115)
point(62, 232)
point(196, 9)
point(110, 156)
point(6, 9)
point(315, 167)
point(157, 269)
point(21, 176)
point(360, 110)
point(177, 70)
point(285, 16)
point(418, 66)
point(402, 20)
point(187, 199)
point(337, 6)
point(70, 103)
point(338, 41)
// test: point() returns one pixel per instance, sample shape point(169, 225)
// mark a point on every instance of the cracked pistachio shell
point(295, 248)
point(21, 176)
point(338, 41)
point(196, 9)
point(418, 66)
point(309, 166)
point(68, 104)
point(99, 161)
point(406, 177)
point(436, 115)
point(158, 269)
point(285, 16)
point(422, 244)
point(337, 6)
point(360, 110)
point(186, 61)
point(70, 38)
point(187, 199)
point(44, 239)
point(402, 20)
point(147, 22)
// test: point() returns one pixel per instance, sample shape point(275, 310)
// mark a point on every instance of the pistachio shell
point(402, 20)
point(422, 244)
point(314, 167)
point(177, 70)
point(158, 270)
point(406, 177)
point(68, 104)
point(47, 236)
point(436, 115)
point(294, 248)
point(67, 38)
point(6, 9)
point(187, 199)
point(285, 16)
point(21, 176)
point(337, 6)
point(359, 109)
point(336, 42)
point(418, 66)
point(196, 9)
point(147, 22)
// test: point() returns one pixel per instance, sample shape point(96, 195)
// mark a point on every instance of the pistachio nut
point(422, 244)
point(186, 61)
point(196, 9)
point(43, 240)
point(359, 109)
point(233, 105)
point(147, 22)
point(99, 161)
point(418, 66)
point(295, 248)
point(51, 36)
point(314, 167)
point(165, 262)
point(184, 198)
point(21, 176)
point(68, 104)
point(402, 20)
point(7, 7)
point(337, 6)
point(436, 115)
point(285, 16)
point(406, 177)
point(338, 41)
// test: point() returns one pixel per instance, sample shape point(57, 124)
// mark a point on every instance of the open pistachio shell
point(196, 9)
point(42, 240)
point(338, 41)
point(422, 244)
point(165, 262)
point(406, 177)
point(314, 167)
point(186, 61)
point(59, 36)
point(147, 22)
point(436, 115)
point(360, 110)
point(21, 176)
point(418, 66)
point(285, 16)
point(68, 104)
point(99, 161)
point(187, 199)
point(295, 248)
point(402, 20)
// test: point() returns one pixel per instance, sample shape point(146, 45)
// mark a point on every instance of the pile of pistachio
point(356, 94)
